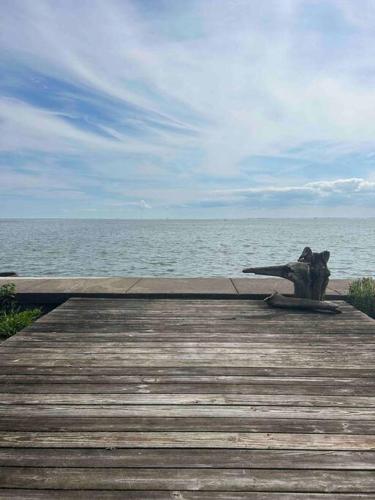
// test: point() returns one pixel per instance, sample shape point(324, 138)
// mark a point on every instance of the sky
point(187, 108)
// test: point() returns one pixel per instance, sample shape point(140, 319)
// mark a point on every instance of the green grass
point(362, 295)
point(12, 317)
point(12, 322)
point(7, 297)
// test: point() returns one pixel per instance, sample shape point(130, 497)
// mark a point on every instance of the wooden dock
point(186, 400)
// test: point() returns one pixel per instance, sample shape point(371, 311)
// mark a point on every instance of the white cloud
point(322, 193)
point(38, 185)
point(24, 127)
point(136, 204)
point(143, 204)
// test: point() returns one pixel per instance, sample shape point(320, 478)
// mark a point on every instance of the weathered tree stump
point(309, 274)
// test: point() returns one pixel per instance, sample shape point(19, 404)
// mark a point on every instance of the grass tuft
point(7, 297)
point(13, 321)
point(362, 295)
point(12, 318)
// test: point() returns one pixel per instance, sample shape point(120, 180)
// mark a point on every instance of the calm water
point(180, 248)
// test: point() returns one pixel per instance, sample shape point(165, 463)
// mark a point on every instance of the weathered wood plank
point(250, 328)
point(179, 306)
point(25, 347)
point(20, 382)
point(61, 352)
point(195, 424)
point(130, 340)
point(184, 310)
point(322, 413)
point(296, 389)
point(187, 440)
point(183, 457)
point(353, 328)
point(26, 494)
point(175, 304)
point(189, 479)
point(194, 314)
point(74, 331)
point(266, 371)
point(229, 324)
point(188, 399)
point(364, 360)
point(198, 353)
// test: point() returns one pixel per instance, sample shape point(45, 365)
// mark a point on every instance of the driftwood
point(8, 274)
point(309, 274)
point(278, 300)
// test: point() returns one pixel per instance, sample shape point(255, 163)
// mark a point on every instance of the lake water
point(58, 247)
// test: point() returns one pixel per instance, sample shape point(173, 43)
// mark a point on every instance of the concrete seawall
point(54, 290)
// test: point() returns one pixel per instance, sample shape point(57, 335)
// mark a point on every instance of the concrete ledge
point(172, 286)
point(56, 290)
point(261, 288)
point(339, 287)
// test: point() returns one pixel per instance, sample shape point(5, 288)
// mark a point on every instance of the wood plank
point(124, 350)
point(195, 424)
point(297, 389)
point(189, 479)
point(155, 347)
point(42, 331)
point(162, 304)
point(160, 340)
point(183, 457)
point(187, 440)
point(231, 323)
point(262, 359)
point(193, 305)
point(354, 327)
point(230, 318)
point(190, 310)
point(224, 382)
point(198, 353)
point(26, 494)
point(250, 328)
point(249, 316)
point(266, 371)
point(272, 412)
point(188, 399)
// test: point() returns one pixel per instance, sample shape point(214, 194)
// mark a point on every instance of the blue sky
point(187, 108)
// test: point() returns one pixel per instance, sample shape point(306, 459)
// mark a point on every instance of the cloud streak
point(322, 193)
point(170, 101)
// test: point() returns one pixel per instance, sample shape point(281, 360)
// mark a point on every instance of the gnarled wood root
point(278, 300)
point(309, 274)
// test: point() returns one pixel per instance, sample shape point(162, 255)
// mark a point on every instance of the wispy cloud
point(354, 191)
point(168, 101)
point(137, 204)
